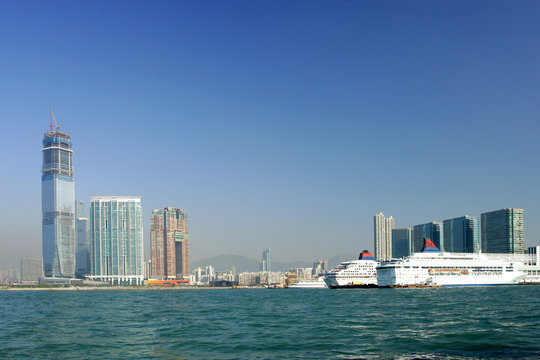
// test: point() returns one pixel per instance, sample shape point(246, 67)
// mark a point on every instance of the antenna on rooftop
point(51, 118)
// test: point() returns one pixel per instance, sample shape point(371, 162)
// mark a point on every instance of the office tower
point(402, 240)
point(383, 227)
point(462, 234)
point(116, 239)
point(58, 205)
point(169, 244)
point(319, 267)
point(31, 270)
point(82, 253)
point(503, 231)
point(265, 265)
point(433, 230)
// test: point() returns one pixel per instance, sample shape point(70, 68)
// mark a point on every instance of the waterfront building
point(402, 240)
point(462, 234)
point(31, 270)
point(503, 231)
point(82, 253)
point(319, 267)
point(117, 239)
point(433, 230)
point(169, 244)
point(9, 276)
point(383, 227)
point(265, 264)
point(58, 205)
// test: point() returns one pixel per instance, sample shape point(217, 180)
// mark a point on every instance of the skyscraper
point(462, 234)
point(383, 227)
point(433, 230)
point(117, 239)
point(265, 265)
point(503, 231)
point(58, 205)
point(82, 252)
point(169, 244)
point(402, 240)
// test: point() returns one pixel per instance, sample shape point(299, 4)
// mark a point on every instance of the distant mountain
point(245, 264)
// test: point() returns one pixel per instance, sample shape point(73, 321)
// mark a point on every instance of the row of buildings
point(499, 231)
point(106, 244)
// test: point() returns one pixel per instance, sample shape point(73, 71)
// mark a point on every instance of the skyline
point(282, 126)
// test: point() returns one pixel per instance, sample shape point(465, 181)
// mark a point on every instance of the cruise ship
point(359, 273)
point(432, 267)
point(309, 284)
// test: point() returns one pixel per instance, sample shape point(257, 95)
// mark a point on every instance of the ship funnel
point(429, 246)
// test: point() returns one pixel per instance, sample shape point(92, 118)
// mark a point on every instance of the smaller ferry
point(359, 273)
point(309, 284)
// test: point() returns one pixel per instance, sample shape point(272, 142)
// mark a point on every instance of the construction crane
point(51, 118)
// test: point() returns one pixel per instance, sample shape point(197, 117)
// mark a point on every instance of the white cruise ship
point(434, 268)
point(354, 274)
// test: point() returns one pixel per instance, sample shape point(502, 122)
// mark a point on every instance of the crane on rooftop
point(51, 118)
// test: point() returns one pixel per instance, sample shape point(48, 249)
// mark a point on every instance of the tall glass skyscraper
point(503, 231)
point(116, 239)
point(58, 206)
point(402, 240)
point(433, 230)
point(462, 234)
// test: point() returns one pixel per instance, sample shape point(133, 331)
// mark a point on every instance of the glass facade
point(117, 239)
point(433, 230)
point(82, 253)
point(503, 231)
point(402, 240)
point(383, 227)
point(462, 234)
point(58, 206)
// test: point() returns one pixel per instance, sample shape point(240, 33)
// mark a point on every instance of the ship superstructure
point(354, 274)
point(434, 268)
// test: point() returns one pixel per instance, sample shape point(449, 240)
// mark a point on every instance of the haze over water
point(445, 323)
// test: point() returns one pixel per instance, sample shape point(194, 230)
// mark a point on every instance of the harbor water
point(425, 323)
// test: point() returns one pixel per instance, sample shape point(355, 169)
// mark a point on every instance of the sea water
point(425, 323)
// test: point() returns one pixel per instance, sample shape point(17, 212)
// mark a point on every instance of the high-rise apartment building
point(433, 230)
point(31, 270)
point(265, 264)
point(503, 231)
point(169, 244)
point(116, 239)
point(402, 241)
point(383, 227)
point(58, 205)
point(462, 234)
point(82, 250)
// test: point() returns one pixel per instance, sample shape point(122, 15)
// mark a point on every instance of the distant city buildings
point(503, 231)
point(383, 227)
point(82, 253)
point(433, 230)
point(402, 241)
point(169, 244)
point(9, 276)
point(319, 267)
point(462, 234)
point(117, 239)
point(266, 263)
point(58, 205)
point(31, 270)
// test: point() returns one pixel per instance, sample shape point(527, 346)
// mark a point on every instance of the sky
point(274, 124)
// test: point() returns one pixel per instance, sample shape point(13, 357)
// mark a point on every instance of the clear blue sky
point(281, 124)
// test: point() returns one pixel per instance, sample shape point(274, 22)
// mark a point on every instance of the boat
point(359, 273)
point(433, 268)
point(309, 284)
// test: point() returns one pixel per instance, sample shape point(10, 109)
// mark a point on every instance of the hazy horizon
point(275, 124)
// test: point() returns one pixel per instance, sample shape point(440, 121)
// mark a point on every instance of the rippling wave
point(429, 323)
